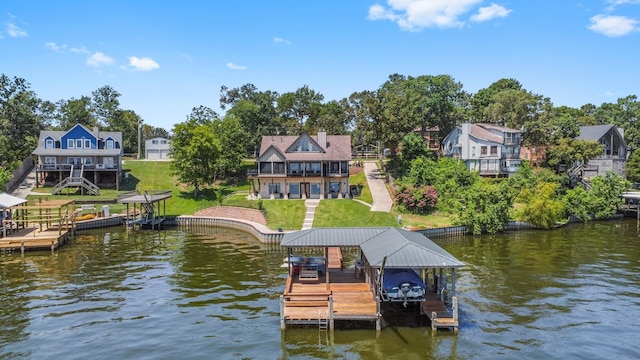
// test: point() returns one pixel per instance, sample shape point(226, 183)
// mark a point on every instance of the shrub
point(418, 200)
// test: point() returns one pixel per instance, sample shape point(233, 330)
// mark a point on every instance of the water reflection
point(213, 293)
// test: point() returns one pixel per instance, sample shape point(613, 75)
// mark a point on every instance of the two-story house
point(79, 153)
point(157, 148)
point(614, 153)
point(489, 149)
point(303, 167)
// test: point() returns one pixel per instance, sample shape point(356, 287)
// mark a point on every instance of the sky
point(167, 57)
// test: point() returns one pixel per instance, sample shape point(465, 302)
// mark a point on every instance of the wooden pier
point(337, 295)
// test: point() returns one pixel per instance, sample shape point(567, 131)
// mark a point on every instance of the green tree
point(106, 106)
point(74, 111)
point(607, 191)
point(569, 151)
point(485, 206)
point(633, 167)
point(540, 205)
point(578, 202)
point(299, 110)
point(232, 141)
point(195, 150)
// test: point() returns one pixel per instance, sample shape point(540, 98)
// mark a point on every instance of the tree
point(195, 150)
point(633, 167)
point(607, 191)
point(540, 205)
point(485, 206)
point(333, 119)
point(106, 106)
point(75, 111)
point(21, 116)
point(299, 110)
point(412, 147)
point(568, 151)
point(232, 141)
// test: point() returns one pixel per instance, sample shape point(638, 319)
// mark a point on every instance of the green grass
point(348, 213)
point(285, 214)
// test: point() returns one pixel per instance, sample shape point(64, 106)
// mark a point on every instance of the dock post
point(22, 248)
point(378, 315)
point(282, 324)
point(434, 319)
point(52, 247)
point(331, 322)
point(454, 305)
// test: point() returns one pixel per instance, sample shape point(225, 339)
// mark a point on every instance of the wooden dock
point(337, 295)
point(439, 315)
point(34, 238)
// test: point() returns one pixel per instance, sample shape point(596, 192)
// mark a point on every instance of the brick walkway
point(233, 212)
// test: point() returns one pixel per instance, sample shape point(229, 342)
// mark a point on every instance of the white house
point(157, 148)
point(489, 149)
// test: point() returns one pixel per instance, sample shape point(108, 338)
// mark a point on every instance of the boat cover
point(393, 278)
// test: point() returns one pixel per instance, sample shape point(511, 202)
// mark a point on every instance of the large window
point(294, 189)
point(313, 168)
point(278, 168)
point(265, 168)
point(274, 188)
point(494, 150)
point(48, 144)
point(315, 188)
point(295, 168)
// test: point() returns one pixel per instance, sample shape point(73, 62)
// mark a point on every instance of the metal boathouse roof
point(402, 248)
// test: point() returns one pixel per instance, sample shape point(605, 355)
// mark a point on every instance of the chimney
point(322, 139)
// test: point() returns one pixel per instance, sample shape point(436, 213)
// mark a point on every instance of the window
point(312, 168)
point(110, 144)
point(88, 160)
point(278, 168)
point(483, 151)
point(70, 144)
point(163, 141)
point(50, 160)
point(155, 142)
point(295, 168)
point(87, 144)
point(344, 165)
point(274, 188)
point(473, 151)
point(304, 145)
point(48, 143)
point(510, 138)
point(265, 168)
point(78, 143)
point(335, 167)
point(315, 188)
point(494, 150)
point(334, 187)
point(294, 189)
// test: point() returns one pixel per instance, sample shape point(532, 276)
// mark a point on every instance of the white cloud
point(80, 50)
point(490, 12)
point(55, 47)
point(233, 66)
point(99, 59)
point(416, 14)
point(143, 64)
point(14, 31)
point(281, 40)
point(612, 26)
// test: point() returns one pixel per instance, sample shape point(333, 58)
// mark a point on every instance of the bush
point(418, 200)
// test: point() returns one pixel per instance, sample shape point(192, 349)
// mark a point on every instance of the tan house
point(303, 167)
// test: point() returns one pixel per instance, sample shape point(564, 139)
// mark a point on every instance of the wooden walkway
point(34, 238)
point(343, 297)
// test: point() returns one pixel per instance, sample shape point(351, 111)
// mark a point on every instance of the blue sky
point(167, 57)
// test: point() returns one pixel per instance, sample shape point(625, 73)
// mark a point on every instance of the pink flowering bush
point(418, 200)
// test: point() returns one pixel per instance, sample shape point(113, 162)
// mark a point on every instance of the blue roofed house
point(488, 149)
point(614, 153)
point(80, 158)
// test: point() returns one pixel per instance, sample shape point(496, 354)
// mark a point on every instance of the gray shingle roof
point(593, 133)
point(402, 248)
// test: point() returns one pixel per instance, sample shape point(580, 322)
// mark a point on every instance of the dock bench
point(308, 276)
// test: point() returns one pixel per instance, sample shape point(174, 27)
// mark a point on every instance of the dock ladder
point(323, 322)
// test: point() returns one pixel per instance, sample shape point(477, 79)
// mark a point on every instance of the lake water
point(110, 294)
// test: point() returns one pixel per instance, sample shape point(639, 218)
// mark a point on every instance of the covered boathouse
point(322, 292)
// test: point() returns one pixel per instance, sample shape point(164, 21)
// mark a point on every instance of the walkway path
point(381, 199)
point(26, 186)
point(311, 205)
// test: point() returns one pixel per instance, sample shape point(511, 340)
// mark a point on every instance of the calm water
point(570, 293)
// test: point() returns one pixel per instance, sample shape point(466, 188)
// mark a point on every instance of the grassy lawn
point(285, 214)
point(347, 213)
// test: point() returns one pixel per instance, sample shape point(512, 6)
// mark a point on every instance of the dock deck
point(34, 238)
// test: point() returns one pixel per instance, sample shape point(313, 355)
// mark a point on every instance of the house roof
point(594, 132)
point(338, 147)
point(402, 248)
point(483, 131)
point(8, 201)
point(57, 135)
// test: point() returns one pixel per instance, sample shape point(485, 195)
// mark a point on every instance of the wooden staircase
point(76, 180)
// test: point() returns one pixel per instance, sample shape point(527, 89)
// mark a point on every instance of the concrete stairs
point(311, 205)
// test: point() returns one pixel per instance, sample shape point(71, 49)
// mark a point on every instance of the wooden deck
point(35, 238)
point(344, 297)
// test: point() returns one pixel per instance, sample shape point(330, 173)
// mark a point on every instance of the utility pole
point(139, 128)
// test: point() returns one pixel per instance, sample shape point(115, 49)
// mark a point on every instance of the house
point(535, 155)
point(302, 167)
point(489, 149)
point(614, 153)
point(157, 148)
point(79, 156)
point(430, 137)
